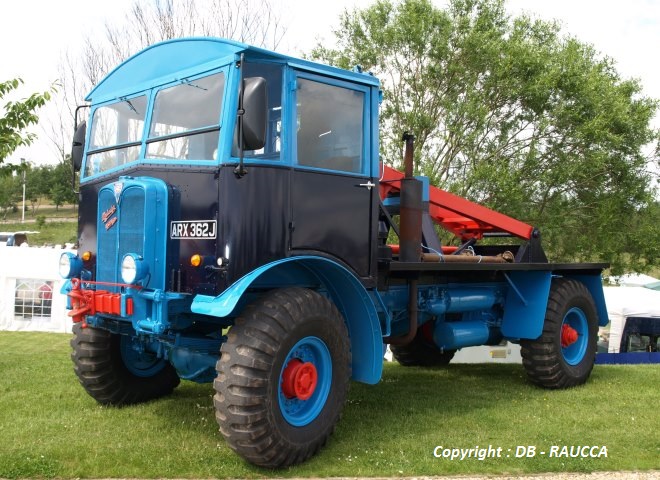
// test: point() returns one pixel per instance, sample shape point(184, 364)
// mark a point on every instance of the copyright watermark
point(520, 451)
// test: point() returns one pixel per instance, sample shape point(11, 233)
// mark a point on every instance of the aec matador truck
point(233, 228)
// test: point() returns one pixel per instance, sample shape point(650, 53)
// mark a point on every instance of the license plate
point(193, 229)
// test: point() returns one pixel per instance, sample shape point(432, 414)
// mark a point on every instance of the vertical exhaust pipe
point(411, 209)
point(410, 238)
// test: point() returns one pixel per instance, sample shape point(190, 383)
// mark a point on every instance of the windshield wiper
point(130, 105)
point(189, 83)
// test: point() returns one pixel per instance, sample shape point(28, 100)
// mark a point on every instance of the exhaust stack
point(411, 208)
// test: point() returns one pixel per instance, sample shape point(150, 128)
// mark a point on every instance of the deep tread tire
point(101, 370)
point(248, 383)
point(544, 359)
point(421, 352)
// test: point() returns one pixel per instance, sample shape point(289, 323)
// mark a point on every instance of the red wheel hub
point(299, 379)
point(568, 335)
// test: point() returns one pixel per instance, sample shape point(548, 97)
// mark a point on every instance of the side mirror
point(78, 145)
point(255, 105)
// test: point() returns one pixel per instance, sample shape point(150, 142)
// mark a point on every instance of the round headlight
point(70, 265)
point(128, 269)
point(133, 268)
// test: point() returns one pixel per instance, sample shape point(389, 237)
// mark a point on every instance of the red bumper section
point(90, 302)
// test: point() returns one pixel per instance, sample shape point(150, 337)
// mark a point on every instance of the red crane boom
point(462, 217)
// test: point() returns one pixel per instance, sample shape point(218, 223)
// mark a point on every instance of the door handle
point(368, 185)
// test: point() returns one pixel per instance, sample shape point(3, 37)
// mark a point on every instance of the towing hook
point(79, 304)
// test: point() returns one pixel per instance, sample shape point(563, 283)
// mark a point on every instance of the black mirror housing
point(255, 106)
point(78, 146)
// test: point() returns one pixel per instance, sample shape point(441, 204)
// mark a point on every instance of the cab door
point(332, 185)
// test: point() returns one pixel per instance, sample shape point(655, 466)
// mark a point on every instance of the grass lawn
point(61, 225)
point(53, 232)
point(51, 428)
point(49, 211)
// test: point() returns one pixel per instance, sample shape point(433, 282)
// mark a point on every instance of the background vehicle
point(13, 239)
point(233, 229)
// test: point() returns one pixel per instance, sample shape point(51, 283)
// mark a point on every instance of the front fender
point(342, 287)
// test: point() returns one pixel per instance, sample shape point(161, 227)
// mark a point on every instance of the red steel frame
point(462, 217)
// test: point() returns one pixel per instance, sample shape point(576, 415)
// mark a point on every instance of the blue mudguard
point(594, 284)
point(343, 288)
point(527, 300)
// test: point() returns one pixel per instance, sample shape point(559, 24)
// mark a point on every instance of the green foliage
point(18, 116)
point(10, 194)
point(60, 190)
point(511, 114)
point(44, 181)
point(387, 430)
point(40, 221)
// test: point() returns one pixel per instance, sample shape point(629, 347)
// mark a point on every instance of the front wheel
point(564, 355)
point(113, 370)
point(283, 377)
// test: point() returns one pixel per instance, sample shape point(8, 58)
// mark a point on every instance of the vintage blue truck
point(233, 228)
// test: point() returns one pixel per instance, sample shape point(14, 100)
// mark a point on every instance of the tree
point(60, 190)
point(511, 114)
point(18, 116)
point(10, 191)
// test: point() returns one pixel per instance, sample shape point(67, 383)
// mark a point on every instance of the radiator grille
point(106, 263)
point(119, 236)
point(131, 222)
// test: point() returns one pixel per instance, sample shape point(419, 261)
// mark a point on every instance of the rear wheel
point(114, 372)
point(422, 351)
point(283, 377)
point(564, 355)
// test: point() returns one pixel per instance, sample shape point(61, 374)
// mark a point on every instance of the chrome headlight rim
point(133, 268)
point(70, 265)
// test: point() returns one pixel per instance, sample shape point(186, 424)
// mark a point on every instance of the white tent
point(632, 280)
point(628, 302)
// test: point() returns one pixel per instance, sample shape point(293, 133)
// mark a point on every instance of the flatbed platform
point(407, 267)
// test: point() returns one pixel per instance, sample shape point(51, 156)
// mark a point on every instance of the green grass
point(48, 211)
point(52, 233)
point(61, 225)
point(51, 428)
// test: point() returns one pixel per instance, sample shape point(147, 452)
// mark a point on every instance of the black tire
point(249, 392)
point(422, 352)
point(547, 362)
point(103, 373)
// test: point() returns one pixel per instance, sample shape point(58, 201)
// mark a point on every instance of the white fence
point(30, 298)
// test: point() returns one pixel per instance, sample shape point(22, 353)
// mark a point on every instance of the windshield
point(184, 125)
point(116, 134)
point(186, 120)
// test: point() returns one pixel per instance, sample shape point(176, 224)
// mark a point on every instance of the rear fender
point(343, 288)
point(527, 300)
point(594, 284)
point(525, 304)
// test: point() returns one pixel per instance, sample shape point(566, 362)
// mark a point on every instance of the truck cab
point(177, 122)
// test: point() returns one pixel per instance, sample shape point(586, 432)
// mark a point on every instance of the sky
point(35, 34)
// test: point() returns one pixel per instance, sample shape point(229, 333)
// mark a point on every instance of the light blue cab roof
point(179, 58)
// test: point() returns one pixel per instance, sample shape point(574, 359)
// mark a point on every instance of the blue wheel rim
point(302, 412)
point(139, 363)
point(576, 319)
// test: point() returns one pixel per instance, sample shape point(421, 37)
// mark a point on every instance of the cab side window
point(330, 126)
point(273, 75)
